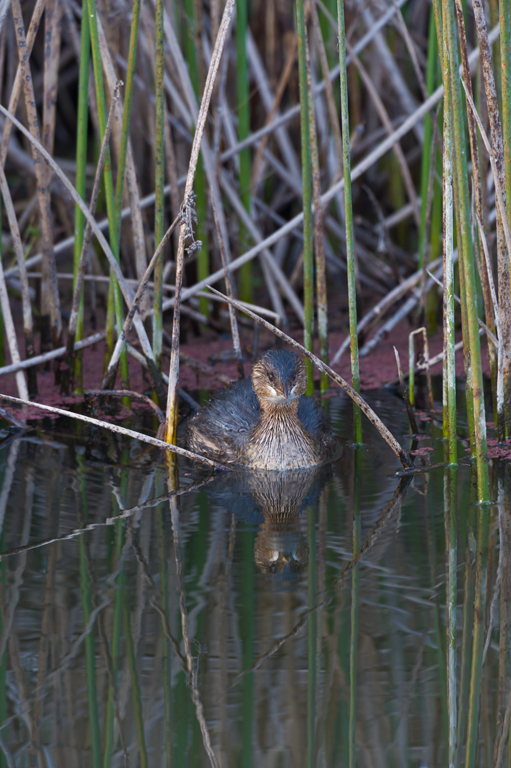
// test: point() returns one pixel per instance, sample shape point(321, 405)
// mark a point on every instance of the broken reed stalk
point(468, 283)
point(408, 405)
point(111, 372)
point(161, 444)
point(115, 293)
point(308, 265)
point(504, 276)
point(25, 291)
point(79, 274)
point(171, 414)
point(159, 183)
point(411, 366)
point(82, 131)
point(348, 214)
point(323, 368)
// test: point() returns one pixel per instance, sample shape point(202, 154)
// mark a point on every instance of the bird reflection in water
point(281, 499)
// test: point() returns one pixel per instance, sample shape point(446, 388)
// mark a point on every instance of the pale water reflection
point(245, 620)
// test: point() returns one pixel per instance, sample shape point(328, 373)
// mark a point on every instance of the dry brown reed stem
point(329, 90)
point(51, 321)
point(125, 288)
point(426, 366)
point(111, 371)
point(499, 192)
point(171, 415)
point(409, 409)
point(503, 265)
point(498, 323)
point(52, 355)
point(479, 211)
point(364, 407)
point(162, 445)
point(16, 88)
point(385, 119)
point(87, 235)
point(10, 333)
point(25, 290)
point(52, 35)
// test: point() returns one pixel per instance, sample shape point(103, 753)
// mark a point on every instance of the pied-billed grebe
point(265, 422)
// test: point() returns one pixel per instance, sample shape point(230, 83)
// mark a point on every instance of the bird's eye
point(271, 377)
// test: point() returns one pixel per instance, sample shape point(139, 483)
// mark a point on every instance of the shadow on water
point(338, 616)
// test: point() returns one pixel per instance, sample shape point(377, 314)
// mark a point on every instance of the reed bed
point(303, 160)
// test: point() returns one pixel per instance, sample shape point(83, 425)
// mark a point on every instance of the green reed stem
point(243, 105)
point(107, 176)
point(355, 585)
point(312, 633)
point(483, 525)
point(449, 364)
point(451, 534)
point(164, 603)
point(114, 646)
point(159, 183)
point(468, 617)
point(126, 115)
point(308, 265)
point(468, 289)
point(348, 213)
point(138, 712)
point(319, 236)
point(428, 137)
point(81, 180)
point(90, 653)
point(247, 640)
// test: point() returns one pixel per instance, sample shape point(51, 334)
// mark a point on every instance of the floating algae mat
point(249, 619)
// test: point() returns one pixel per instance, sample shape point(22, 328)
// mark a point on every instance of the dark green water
point(230, 625)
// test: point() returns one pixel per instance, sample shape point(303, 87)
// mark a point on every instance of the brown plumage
point(265, 422)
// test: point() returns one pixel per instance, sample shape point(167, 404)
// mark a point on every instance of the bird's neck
point(280, 412)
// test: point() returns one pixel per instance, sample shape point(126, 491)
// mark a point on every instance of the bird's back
point(223, 427)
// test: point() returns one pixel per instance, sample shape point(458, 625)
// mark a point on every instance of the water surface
point(247, 620)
